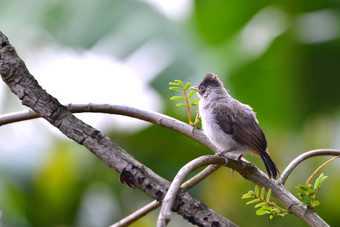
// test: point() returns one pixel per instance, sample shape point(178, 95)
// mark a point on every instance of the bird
point(231, 125)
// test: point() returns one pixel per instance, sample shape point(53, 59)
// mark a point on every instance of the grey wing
point(223, 118)
point(243, 126)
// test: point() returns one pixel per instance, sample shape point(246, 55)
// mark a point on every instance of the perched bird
point(231, 125)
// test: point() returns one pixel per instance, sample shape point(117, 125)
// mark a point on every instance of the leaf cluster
point(307, 193)
point(263, 203)
point(178, 85)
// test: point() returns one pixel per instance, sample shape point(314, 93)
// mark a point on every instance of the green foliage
point(263, 203)
point(178, 85)
point(307, 193)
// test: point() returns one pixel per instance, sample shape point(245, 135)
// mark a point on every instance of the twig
point(188, 106)
point(137, 214)
point(293, 164)
point(154, 204)
point(183, 173)
point(320, 167)
point(270, 203)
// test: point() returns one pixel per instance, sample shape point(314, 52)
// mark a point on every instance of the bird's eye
point(202, 88)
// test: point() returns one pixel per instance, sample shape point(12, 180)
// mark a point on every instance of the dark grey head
point(210, 83)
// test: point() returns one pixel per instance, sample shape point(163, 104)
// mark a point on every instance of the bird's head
point(211, 85)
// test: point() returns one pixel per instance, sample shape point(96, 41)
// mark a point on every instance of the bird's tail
point(270, 165)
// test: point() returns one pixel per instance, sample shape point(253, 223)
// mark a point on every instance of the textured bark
point(22, 83)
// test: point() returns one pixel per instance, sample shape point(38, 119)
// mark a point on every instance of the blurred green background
point(280, 57)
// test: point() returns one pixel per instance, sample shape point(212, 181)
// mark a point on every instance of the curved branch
point(149, 116)
point(293, 164)
point(183, 173)
point(155, 204)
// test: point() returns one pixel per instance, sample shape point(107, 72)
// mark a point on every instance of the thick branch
point(154, 204)
point(22, 83)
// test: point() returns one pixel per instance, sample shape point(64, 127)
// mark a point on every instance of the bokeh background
point(281, 57)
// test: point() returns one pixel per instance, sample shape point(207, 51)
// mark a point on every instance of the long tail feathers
point(270, 165)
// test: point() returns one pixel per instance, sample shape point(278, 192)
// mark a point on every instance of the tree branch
point(293, 164)
point(149, 116)
point(183, 173)
point(15, 74)
point(154, 204)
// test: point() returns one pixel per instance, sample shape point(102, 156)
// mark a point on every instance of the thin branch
point(293, 164)
point(149, 116)
point(200, 176)
point(183, 173)
point(137, 214)
point(155, 204)
point(17, 116)
point(319, 168)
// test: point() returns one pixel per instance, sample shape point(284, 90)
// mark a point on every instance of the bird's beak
point(195, 88)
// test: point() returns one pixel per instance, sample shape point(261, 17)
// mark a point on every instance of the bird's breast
point(221, 139)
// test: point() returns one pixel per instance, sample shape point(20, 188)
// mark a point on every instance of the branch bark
point(15, 74)
point(183, 173)
point(155, 204)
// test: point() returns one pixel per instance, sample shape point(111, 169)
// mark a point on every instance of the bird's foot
point(239, 159)
point(243, 162)
point(221, 154)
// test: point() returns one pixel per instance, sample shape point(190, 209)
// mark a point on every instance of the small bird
point(231, 125)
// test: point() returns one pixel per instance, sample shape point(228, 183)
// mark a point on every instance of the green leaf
point(312, 192)
point(176, 88)
point(268, 195)
point(262, 211)
point(194, 101)
point(257, 190)
point(262, 192)
point(191, 94)
point(305, 199)
point(179, 82)
point(302, 188)
point(315, 203)
point(177, 98)
point(187, 86)
point(260, 204)
point(181, 104)
point(248, 196)
point(174, 84)
point(319, 180)
point(253, 201)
